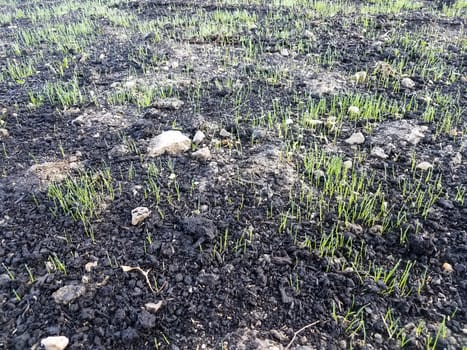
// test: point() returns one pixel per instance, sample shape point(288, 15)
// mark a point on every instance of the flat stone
point(168, 103)
point(424, 165)
point(360, 77)
point(54, 171)
point(398, 132)
point(139, 214)
point(355, 139)
point(199, 137)
point(416, 134)
point(118, 151)
point(172, 142)
point(378, 152)
point(67, 294)
point(258, 134)
point(407, 83)
point(55, 342)
point(320, 88)
point(224, 133)
point(202, 155)
point(385, 69)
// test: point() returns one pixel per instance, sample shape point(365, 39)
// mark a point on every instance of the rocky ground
point(233, 174)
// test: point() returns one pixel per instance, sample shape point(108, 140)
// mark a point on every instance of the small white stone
point(139, 214)
point(424, 165)
point(153, 307)
point(284, 52)
point(3, 133)
point(353, 110)
point(131, 84)
point(199, 137)
point(331, 122)
point(447, 267)
point(356, 139)
point(407, 83)
point(314, 122)
point(203, 154)
point(377, 229)
point(289, 121)
point(347, 164)
point(90, 265)
point(224, 133)
point(55, 343)
point(378, 152)
point(360, 77)
point(416, 134)
point(457, 159)
point(309, 35)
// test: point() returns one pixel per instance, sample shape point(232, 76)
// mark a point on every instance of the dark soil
point(225, 246)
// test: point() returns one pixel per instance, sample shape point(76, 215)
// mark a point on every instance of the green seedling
point(17, 295)
point(394, 329)
point(82, 197)
point(57, 264)
point(10, 274)
point(460, 194)
point(64, 94)
point(432, 343)
point(30, 274)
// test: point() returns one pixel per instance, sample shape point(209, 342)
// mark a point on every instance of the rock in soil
point(146, 320)
point(168, 103)
point(67, 294)
point(139, 214)
point(172, 142)
point(356, 139)
point(407, 83)
point(199, 228)
point(199, 137)
point(202, 155)
point(55, 343)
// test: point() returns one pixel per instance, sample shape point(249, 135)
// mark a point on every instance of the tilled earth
point(244, 247)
